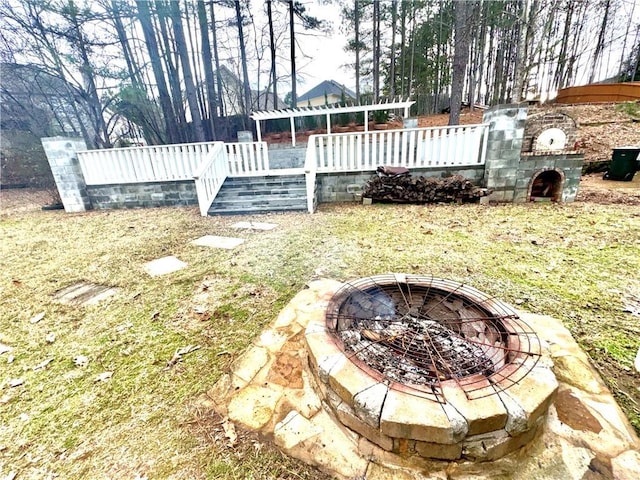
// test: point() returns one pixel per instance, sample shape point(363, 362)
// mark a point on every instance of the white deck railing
point(158, 163)
point(412, 148)
point(210, 176)
point(164, 163)
point(247, 158)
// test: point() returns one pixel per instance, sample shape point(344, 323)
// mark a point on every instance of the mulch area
point(23, 200)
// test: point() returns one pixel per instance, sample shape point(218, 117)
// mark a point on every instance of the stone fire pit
point(297, 386)
point(419, 364)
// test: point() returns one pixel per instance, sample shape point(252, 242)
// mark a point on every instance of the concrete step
point(282, 192)
point(243, 195)
point(266, 180)
point(250, 211)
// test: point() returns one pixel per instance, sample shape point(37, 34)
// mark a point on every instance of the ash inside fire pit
point(421, 331)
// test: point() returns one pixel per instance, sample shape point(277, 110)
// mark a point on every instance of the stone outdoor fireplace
point(430, 367)
point(531, 155)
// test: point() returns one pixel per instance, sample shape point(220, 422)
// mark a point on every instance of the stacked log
point(407, 189)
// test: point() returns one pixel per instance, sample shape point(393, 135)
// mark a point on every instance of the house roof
point(259, 100)
point(327, 87)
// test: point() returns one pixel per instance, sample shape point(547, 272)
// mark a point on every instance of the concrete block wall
point(504, 144)
point(61, 154)
point(143, 195)
point(287, 157)
point(569, 165)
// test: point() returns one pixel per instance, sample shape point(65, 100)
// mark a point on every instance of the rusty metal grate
point(418, 333)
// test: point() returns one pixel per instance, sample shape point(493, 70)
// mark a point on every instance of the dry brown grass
point(578, 262)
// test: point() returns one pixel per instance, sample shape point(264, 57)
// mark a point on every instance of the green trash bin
point(624, 163)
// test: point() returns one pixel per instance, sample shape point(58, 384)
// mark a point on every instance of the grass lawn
point(578, 262)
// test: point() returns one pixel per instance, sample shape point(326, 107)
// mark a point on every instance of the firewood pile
point(407, 189)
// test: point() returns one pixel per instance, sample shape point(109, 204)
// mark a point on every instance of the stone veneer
point(270, 389)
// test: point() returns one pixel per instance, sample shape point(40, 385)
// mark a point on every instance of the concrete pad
point(253, 226)
point(85, 294)
point(214, 241)
point(164, 265)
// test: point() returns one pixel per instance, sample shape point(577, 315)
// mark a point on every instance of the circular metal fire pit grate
point(417, 333)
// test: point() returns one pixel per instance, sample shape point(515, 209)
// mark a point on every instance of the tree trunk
point(243, 58)
point(272, 48)
point(132, 68)
point(216, 60)
point(294, 95)
point(172, 70)
point(208, 68)
point(403, 39)
point(600, 45)
point(144, 16)
point(413, 48)
point(181, 46)
point(392, 67)
point(376, 50)
point(196, 66)
point(460, 56)
point(522, 12)
point(93, 100)
point(356, 21)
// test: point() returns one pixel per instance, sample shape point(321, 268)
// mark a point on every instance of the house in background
point(233, 96)
point(326, 93)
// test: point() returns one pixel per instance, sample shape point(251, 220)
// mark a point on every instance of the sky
point(329, 57)
point(328, 54)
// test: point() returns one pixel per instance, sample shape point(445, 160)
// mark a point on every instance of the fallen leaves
point(37, 318)
point(10, 476)
point(229, 432)
point(180, 352)
point(42, 365)
point(103, 377)
point(15, 382)
point(5, 348)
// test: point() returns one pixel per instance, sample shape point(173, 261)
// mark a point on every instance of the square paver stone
point(164, 265)
point(214, 241)
point(254, 226)
point(85, 294)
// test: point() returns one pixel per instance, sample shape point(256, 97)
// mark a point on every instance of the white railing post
point(310, 169)
point(210, 177)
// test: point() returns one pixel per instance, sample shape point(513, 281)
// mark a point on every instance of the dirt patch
point(594, 189)
point(227, 440)
point(591, 114)
point(598, 141)
point(23, 200)
point(467, 117)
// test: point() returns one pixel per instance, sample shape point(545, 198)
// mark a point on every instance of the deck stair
point(261, 194)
